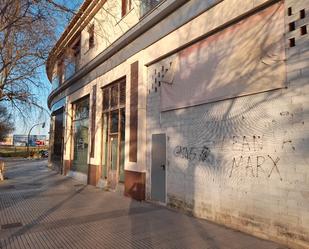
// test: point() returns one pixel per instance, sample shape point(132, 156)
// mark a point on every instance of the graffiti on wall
point(255, 166)
point(200, 154)
point(255, 163)
point(245, 143)
point(251, 159)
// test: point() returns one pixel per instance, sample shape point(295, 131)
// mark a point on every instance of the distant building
point(7, 140)
point(200, 105)
point(34, 140)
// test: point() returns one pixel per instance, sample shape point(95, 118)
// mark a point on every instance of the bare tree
point(6, 124)
point(27, 33)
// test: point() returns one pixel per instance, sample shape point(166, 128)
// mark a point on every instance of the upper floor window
point(59, 73)
point(147, 5)
point(126, 5)
point(72, 59)
point(55, 81)
point(76, 48)
point(91, 36)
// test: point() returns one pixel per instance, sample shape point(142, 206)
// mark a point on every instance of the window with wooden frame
point(91, 36)
point(126, 6)
point(114, 123)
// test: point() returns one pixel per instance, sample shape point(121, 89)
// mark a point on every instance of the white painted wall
point(256, 175)
point(273, 125)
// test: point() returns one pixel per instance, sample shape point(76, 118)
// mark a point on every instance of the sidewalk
point(40, 209)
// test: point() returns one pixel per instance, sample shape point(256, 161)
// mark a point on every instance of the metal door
point(158, 167)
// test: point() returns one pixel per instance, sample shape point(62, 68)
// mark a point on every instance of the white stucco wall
point(255, 176)
point(267, 193)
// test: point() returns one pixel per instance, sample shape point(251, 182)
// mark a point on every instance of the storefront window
point(80, 135)
point(122, 143)
point(58, 137)
point(57, 134)
point(114, 129)
point(114, 121)
point(105, 142)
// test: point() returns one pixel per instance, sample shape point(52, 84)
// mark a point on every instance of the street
point(42, 209)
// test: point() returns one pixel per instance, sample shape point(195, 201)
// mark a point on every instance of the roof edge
point(73, 27)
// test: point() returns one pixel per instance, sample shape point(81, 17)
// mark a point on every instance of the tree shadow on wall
point(247, 137)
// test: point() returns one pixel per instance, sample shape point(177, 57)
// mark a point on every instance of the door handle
point(163, 166)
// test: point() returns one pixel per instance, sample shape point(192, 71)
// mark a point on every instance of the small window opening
point(291, 26)
point(290, 11)
point(292, 42)
point(60, 69)
point(91, 36)
point(302, 14)
point(126, 6)
point(76, 48)
point(303, 30)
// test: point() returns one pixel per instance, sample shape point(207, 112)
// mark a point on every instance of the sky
point(38, 117)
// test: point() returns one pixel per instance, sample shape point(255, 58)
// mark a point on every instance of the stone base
point(135, 185)
point(93, 174)
point(66, 167)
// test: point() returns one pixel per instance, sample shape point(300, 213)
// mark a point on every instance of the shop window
point(93, 119)
point(57, 139)
point(122, 94)
point(80, 135)
point(114, 129)
point(114, 121)
point(105, 143)
point(114, 95)
point(122, 143)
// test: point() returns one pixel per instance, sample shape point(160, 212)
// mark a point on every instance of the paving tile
point(58, 212)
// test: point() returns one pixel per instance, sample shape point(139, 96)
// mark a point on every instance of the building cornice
point(88, 9)
point(151, 19)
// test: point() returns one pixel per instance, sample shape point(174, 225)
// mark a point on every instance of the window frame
point(91, 40)
point(126, 6)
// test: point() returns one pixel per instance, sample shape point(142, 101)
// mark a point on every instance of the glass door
point(114, 161)
point(80, 135)
point(80, 146)
point(113, 136)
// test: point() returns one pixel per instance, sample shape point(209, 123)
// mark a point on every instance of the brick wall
point(243, 162)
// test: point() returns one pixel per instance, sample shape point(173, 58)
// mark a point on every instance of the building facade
point(199, 105)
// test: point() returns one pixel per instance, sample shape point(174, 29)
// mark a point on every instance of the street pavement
point(42, 209)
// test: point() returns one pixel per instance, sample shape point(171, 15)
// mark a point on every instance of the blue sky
point(37, 116)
